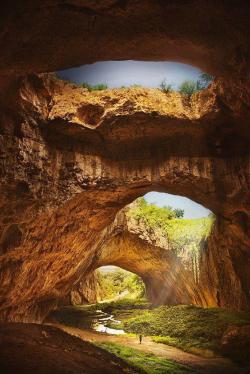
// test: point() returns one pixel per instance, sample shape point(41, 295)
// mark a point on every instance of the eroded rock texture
point(70, 160)
point(86, 291)
point(56, 34)
point(169, 278)
point(64, 179)
point(133, 247)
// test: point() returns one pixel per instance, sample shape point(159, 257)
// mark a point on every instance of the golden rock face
point(65, 176)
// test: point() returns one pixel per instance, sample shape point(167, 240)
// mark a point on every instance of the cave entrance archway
point(160, 246)
point(168, 76)
point(116, 283)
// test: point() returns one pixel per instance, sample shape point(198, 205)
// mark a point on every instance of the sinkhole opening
point(167, 76)
point(177, 229)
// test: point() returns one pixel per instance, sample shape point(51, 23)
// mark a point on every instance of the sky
point(127, 73)
point(191, 208)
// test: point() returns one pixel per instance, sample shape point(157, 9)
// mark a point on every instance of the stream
point(96, 321)
point(99, 323)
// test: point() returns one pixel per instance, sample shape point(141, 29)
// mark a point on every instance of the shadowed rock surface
point(29, 348)
point(88, 290)
point(213, 36)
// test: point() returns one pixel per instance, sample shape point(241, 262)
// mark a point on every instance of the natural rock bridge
point(132, 246)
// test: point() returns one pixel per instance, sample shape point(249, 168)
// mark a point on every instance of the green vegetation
point(117, 306)
point(115, 283)
point(95, 87)
point(153, 215)
point(189, 87)
point(191, 328)
point(145, 362)
point(181, 234)
point(81, 316)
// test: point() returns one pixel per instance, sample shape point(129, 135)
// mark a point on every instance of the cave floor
point(27, 348)
point(197, 363)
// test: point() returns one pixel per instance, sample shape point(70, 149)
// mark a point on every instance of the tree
point(205, 79)
point(166, 87)
point(179, 213)
point(189, 87)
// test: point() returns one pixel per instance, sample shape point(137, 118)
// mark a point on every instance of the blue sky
point(127, 73)
point(192, 209)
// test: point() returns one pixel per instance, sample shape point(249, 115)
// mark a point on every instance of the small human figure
point(140, 338)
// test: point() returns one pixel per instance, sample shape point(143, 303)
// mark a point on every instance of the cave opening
point(152, 256)
point(168, 76)
point(163, 238)
point(115, 284)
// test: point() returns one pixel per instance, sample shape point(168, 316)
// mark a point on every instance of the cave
point(72, 160)
point(166, 261)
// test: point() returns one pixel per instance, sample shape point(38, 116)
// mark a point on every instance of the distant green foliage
point(189, 233)
point(145, 362)
point(179, 213)
point(114, 283)
point(124, 304)
point(179, 232)
point(183, 235)
point(95, 87)
point(153, 215)
point(189, 87)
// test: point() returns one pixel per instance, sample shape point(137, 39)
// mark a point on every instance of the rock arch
point(204, 33)
point(133, 247)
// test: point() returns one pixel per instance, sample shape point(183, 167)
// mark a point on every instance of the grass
point(125, 304)
point(191, 328)
point(95, 87)
point(145, 362)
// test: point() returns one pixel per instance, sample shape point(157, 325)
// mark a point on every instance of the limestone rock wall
point(70, 160)
point(86, 291)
